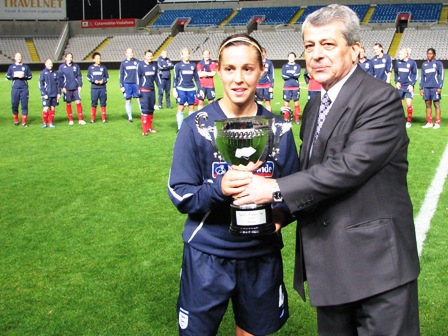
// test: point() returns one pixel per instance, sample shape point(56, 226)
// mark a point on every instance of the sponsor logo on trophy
point(245, 143)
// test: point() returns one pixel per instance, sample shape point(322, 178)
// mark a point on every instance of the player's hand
point(122, 89)
point(175, 95)
point(421, 92)
point(398, 85)
point(64, 90)
point(235, 181)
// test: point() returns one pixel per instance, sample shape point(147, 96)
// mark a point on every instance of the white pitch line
point(429, 206)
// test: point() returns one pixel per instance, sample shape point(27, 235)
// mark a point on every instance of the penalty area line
point(429, 206)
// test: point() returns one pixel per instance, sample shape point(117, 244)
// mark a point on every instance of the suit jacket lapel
point(308, 129)
point(337, 110)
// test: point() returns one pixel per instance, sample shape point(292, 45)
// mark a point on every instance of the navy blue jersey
point(194, 187)
point(128, 71)
point(146, 75)
point(432, 75)
point(406, 72)
point(164, 66)
point(267, 79)
point(291, 74)
point(382, 66)
point(19, 74)
point(97, 73)
point(48, 83)
point(70, 76)
point(185, 75)
point(367, 66)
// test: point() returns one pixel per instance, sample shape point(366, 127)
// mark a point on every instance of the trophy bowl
point(245, 143)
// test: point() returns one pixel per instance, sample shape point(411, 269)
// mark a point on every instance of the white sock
point(128, 107)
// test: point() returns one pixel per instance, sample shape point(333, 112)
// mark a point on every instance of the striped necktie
point(323, 111)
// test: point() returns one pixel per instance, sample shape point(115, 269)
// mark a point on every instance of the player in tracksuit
point(164, 66)
point(265, 87)
point(218, 266)
point(382, 64)
point(19, 74)
point(291, 87)
point(314, 87)
point(146, 82)
point(98, 76)
point(70, 81)
point(206, 71)
point(406, 75)
point(50, 93)
point(364, 62)
point(128, 81)
point(184, 88)
point(431, 82)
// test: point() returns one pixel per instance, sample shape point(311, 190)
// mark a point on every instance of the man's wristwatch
point(276, 194)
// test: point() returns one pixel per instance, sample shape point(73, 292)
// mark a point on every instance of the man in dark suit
point(355, 234)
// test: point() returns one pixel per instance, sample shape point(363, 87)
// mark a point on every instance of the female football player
point(218, 266)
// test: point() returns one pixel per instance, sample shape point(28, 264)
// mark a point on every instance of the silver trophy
point(245, 143)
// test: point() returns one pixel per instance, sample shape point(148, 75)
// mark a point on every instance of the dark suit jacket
point(351, 199)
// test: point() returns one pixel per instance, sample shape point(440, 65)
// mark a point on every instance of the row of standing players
point(406, 77)
point(192, 84)
point(138, 80)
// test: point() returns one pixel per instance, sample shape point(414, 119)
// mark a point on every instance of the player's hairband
point(239, 39)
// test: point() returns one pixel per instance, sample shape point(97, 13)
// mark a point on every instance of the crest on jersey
point(183, 318)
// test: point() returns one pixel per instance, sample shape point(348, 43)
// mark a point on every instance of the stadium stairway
point(163, 46)
point(32, 49)
point(296, 16)
point(226, 21)
point(97, 49)
point(368, 15)
point(153, 20)
point(395, 43)
point(443, 15)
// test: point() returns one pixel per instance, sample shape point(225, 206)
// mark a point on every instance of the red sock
point(144, 119)
point(79, 110)
point(51, 116)
point(45, 117)
point(438, 121)
point(16, 118)
point(68, 108)
point(410, 110)
point(24, 117)
point(429, 119)
point(297, 113)
point(103, 113)
point(93, 114)
point(150, 119)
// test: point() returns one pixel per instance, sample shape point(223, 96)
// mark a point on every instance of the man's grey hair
point(331, 13)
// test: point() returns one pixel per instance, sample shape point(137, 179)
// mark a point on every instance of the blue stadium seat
point(199, 17)
point(272, 15)
point(427, 12)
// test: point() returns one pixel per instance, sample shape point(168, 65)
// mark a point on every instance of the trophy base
point(251, 220)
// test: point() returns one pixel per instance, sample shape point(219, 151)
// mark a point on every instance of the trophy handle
point(279, 130)
point(203, 130)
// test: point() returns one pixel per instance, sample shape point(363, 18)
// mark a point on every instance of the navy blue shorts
point(51, 101)
point(188, 97)
point(209, 93)
point(291, 95)
point(72, 95)
point(255, 286)
point(264, 94)
point(405, 93)
point(431, 94)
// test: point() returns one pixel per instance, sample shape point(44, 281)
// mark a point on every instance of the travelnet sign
point(33, 9)
point(112, 23)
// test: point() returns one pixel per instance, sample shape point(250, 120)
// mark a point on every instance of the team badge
point(183, 318)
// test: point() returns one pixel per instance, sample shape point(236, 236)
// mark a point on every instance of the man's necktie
point(323, 111)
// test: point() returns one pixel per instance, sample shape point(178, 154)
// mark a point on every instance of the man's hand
point(258, 191)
